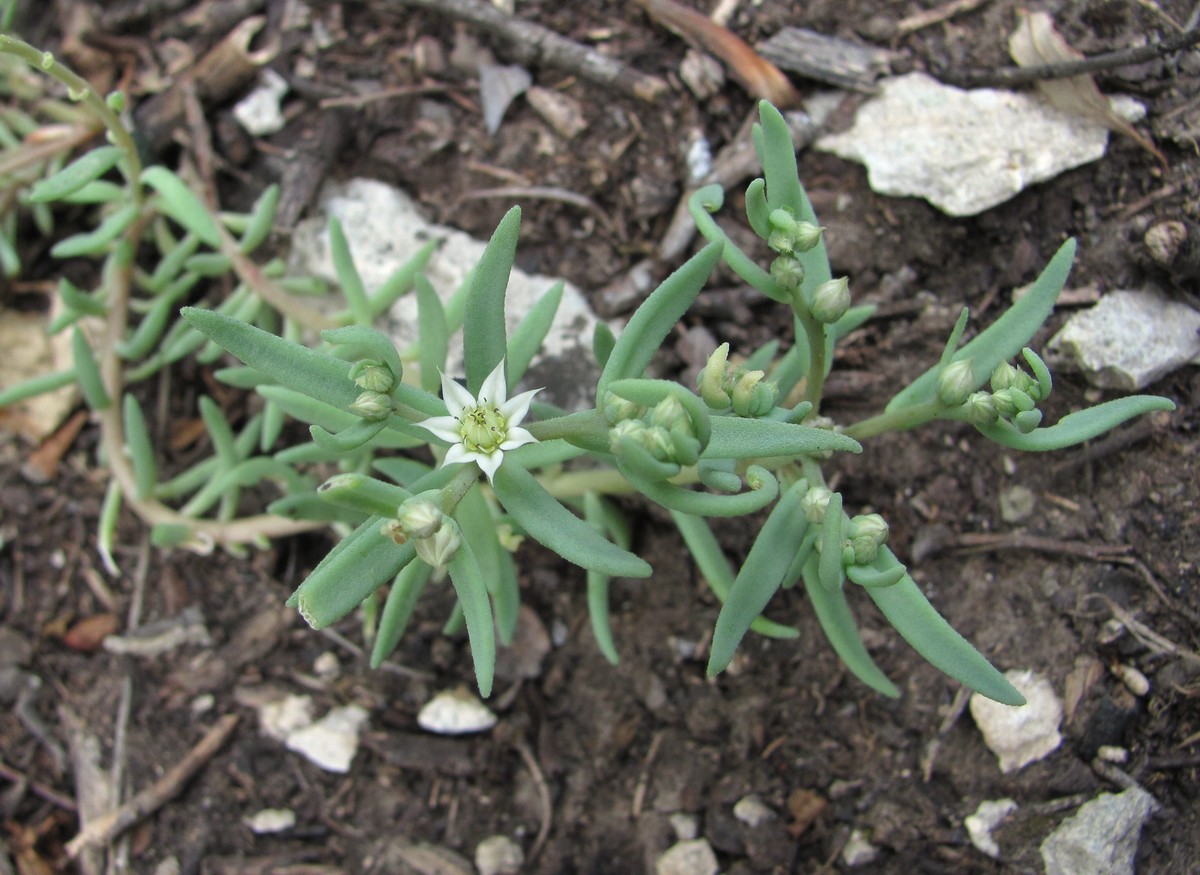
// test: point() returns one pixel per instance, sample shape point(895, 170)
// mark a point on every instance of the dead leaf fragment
point(89, 633)
point(805, 806)
point(1036, 42)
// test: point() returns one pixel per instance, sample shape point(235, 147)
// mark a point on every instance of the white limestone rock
point(989, 815)
point(963, 151)
point(1021, 735)
point(693, 857)
point(1128, 339)
point(455, 712)
point(332, 741)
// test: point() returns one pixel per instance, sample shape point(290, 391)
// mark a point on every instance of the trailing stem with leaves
point(429, 475)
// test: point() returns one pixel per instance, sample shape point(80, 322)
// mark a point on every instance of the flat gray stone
point(963, 151)
point(1128, 340)
point(1101, 838)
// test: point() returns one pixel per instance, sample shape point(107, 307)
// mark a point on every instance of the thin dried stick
point(1008, 76)
point(543, 791)
point(921, 20)
point(157, 794)
point(533, 44)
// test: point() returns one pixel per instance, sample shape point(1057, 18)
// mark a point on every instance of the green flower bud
point(784, 228)
point(627, 429)
point(669, 412)
point(814, 503)
point(372, 376)
point(868, 533)
point(1012, 401)
point(1027, 420)
point(419, 517)
point(788, 272)
point(1004, 376)
point(981, 409)
point(658, 441)
point(711, 381)
point(618, 409)
point(808, 236)
point(372, 405)
point(116, 101)
point(439, 548)
point(831, 300)
point(782, 219)
point(754, 396)
point(956, 382)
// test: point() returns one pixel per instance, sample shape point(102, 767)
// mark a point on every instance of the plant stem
point(897, 420)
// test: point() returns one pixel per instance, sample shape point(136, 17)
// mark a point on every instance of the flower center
point(482, 428)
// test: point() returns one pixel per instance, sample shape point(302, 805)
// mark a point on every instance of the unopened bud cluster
point(1014, 396)
point(420, 520)
point(665, 431)
point(377, 381)
point(723, 386)
point(868, 533)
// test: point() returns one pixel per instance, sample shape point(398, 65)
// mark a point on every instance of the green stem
point(896, 420)
point(815, 331)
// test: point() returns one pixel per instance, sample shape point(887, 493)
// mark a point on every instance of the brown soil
point(601, 756)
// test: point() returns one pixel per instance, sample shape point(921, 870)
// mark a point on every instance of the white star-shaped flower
point(481, 429)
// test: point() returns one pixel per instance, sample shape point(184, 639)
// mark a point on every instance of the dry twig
point(531, 43)
point(157, 794)
point(1009, 76)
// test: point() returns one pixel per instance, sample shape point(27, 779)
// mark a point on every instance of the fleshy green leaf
point(759, 578)
point(484, 338)
point(360, 563)
point(907, 609)
point(528, 337)
point(707, 503)
point(141, 449)
point(398, 609)
point(1075, 428)
point(182, 205)
point(1005, 337)
point(829, 564)
point(714, 567)
point(434, 335)
point(95, 242)
point(472, 593)
point(87, 372)
point(833, 613)
point(347, 274)
point(651, 323)
point(262, 220)
point(76, 175)
point(479, 530)
point(738, 438)
point(551, 524)
point(402, 279)
point(362, 493)
point(312, 373)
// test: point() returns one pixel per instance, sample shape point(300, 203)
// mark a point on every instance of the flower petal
point(445, 427)
point(517, 437)
point(456, 397)
point(514, 410)
point(458, 454)
point(494, 388)
point(489, 464)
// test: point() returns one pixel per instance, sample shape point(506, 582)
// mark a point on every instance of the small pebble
point(332, 741)
point(858, 850)
point(1110, 753)
point(693, 857)
point(455, 712)
point(989, 815)
point(327, 666)
point(499, 855)
point(752, 811)
point(270, 820)
point(1133, 680)
point(686, 826)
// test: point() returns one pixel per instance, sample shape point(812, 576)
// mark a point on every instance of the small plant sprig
point(439, 478)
